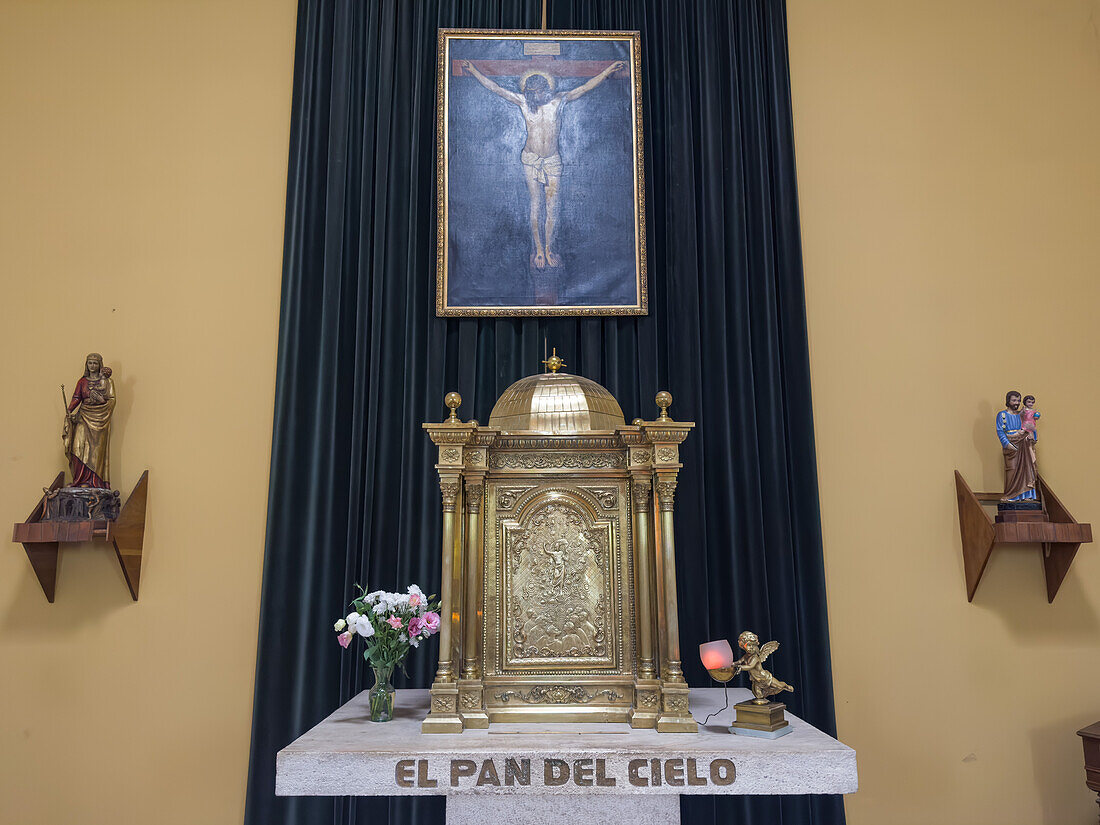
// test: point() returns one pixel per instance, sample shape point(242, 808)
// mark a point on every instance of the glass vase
point(381, 694)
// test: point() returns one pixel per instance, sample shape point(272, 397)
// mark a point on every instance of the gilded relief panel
point(555, 581)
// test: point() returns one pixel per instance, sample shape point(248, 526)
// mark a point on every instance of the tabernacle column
point(449, 438)
point(471, 702)
point(647, 688)
point(666, 436)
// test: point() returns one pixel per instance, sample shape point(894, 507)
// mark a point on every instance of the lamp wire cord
point(726, 691)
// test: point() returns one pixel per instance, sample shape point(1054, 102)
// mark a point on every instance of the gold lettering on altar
point(594, 772)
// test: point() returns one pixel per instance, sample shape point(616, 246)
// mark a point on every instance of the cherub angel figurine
point(761, 681)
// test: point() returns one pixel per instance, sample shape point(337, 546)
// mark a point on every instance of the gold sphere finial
point(664, 401)
point(454, 401)
point(637, 421)
point(554, 362)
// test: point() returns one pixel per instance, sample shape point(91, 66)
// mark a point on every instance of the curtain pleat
point(363, 360)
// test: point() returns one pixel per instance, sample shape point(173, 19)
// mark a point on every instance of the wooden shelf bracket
point(1058, 532)
point(43, 539)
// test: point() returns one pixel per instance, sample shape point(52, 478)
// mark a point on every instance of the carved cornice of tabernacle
point(473, 496)
point(558, 442)
point(557, 695)
point(449, 433)
point(632, 437)
point(475, 457)
point(666, 494)
point(449, 489)
point(641, 489)
point(668, 435)
point(484, 438)
point(556, 461)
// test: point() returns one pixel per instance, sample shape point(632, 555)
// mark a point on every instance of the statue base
point(1021, 504)
point(762, 721)
point(82, 504)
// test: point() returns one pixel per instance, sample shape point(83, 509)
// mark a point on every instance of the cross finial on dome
point(554, 363)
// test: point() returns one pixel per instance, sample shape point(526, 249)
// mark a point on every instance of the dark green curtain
point(363, 360)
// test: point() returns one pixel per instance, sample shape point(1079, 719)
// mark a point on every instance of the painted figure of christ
point(542, 165)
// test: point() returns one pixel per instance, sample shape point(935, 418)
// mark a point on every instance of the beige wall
point(950, 184)
point(949, 179)
point(142, 182)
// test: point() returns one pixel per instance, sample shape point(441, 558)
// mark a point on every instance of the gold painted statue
point(86, 435)
point(761, 681)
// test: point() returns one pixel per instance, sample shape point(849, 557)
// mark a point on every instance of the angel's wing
point(767, 650)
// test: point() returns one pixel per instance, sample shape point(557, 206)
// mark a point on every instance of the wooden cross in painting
point(544, 59)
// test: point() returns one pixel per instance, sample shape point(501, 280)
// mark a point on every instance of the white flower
point(372, 597)
point(364, 628)
point(395, 600)
point(352, 618)
point(380, 608)
point(340, 625)
point(414, 642)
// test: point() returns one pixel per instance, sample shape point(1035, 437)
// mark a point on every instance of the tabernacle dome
point(556, 403)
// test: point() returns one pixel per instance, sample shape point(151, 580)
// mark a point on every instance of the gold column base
point(647, 703)
point(471, 704)
point(443, 716)
point(753, 717)
point(675, 716)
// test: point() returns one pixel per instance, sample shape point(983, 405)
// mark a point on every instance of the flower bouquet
point(390, 625)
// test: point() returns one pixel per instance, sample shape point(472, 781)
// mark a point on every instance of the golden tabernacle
point(559, 574)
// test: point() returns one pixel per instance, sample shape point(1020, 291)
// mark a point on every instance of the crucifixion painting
point(539, 169)
point(541, 158)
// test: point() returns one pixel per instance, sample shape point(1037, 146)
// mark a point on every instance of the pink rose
point(344, 639)
point(394, 622)
point(431, 622)
point(416, 625)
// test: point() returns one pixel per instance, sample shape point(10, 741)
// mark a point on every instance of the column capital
point(666, 492)
point(474, 490)
point(449, 488)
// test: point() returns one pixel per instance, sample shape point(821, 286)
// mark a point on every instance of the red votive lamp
point(716, 655)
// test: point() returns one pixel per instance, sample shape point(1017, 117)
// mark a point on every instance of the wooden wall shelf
point(1059, 533)
point(42, 539)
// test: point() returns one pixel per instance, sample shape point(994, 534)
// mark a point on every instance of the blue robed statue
point(1018, 435)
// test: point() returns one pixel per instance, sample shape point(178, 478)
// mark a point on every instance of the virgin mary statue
point(87, 431)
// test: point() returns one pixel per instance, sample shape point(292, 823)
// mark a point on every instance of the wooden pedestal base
point(755, 720)
point(43, 539)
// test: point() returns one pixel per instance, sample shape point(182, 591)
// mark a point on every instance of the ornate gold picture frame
point(540, 184)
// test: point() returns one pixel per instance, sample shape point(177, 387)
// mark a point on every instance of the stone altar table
point(582, 774)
